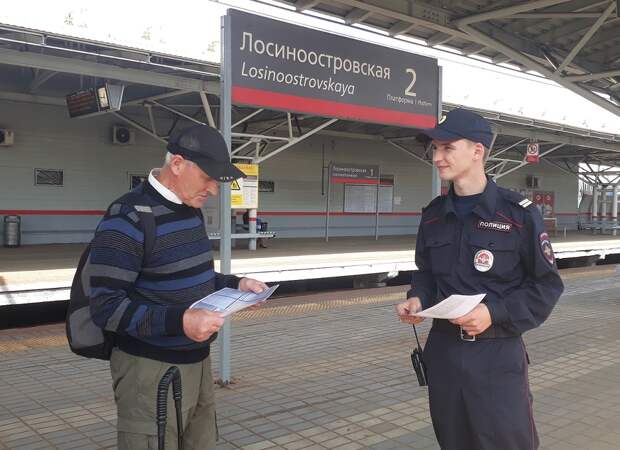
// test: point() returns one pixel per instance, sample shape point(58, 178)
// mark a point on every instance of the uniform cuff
point(499, 313)
point(174, 320)
point(415, 293)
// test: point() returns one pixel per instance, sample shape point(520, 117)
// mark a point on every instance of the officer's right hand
point(200, 324)
point(406, 309)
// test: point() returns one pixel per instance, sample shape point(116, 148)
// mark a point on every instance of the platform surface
point(328, 371)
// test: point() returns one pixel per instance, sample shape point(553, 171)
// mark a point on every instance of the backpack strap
point(145, 213)
point(148, 221)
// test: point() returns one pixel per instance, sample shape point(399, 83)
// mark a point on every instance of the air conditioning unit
point(532, 182)
point(123, 135)
point(7, 137)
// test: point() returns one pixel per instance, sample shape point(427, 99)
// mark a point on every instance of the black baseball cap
point(461, 124)
point(205, 146)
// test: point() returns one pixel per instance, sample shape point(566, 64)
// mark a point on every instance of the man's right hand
point(200, 324)
point(406, 309)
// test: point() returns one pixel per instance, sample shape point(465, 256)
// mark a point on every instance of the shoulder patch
point(545, 247)
point(515, 198)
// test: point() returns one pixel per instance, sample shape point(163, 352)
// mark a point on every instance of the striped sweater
point(143, 302)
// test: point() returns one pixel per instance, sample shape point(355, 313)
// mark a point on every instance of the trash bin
point(12, 231)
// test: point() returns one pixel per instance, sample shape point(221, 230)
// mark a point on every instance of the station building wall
point(96, 172)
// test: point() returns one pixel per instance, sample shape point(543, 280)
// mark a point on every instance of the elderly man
point(141, 291)
point(480, 238)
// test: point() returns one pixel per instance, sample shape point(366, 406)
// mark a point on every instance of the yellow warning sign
point(244, 191)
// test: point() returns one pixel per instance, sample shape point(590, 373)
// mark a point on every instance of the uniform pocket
point(440, 251)
point(495, 255)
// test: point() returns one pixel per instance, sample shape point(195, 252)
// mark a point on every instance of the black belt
point(493, 332)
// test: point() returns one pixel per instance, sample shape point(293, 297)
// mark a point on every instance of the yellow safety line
point(60, 340)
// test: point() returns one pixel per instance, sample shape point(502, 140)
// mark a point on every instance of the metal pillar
point(603, 204)
point(594, 206)
point(377, 205)
point(614, 209)
point(252, 228)
point(225, 210)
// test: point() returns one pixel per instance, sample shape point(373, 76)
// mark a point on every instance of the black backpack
point(85, 338)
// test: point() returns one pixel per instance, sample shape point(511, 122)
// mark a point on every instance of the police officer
point(480, 238)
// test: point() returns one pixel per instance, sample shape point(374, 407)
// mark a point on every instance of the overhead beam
point(295, 141)
point(93, 69)
point(39, 80)
point(512, 169)
point(586, 37)
point(441, 26)
point(472, 49)
point(356, 16)
point(551, 137)
point(556, 15)
point(438, 39)
point(302, 5)
point(500, 59)
point(139, 126)
point(593, 76)
point(409, 152)
point(533, 65)
point(29, 98)
point(140, 101)
point(507, 11)
point(400, 28)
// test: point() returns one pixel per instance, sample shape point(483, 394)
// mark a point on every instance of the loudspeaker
point(122, 135)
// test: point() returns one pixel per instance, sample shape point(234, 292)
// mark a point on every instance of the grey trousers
point(135, 382)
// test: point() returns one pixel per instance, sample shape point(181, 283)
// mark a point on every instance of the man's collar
point(163, 190)
point(485, 208)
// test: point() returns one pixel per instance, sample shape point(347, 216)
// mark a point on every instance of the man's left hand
point(252, 285)
point(476, 321)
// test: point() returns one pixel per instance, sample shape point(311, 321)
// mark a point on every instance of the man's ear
point(176, 164)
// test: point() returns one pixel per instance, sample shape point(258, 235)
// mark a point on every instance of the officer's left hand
point(252, 285)
point(476, 321)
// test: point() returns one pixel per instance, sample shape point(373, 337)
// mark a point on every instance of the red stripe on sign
point(50, 212)
point(329, 108)
point(319, 213)
point(353, 180)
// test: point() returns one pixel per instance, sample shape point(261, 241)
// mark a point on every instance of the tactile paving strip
point(58, 338)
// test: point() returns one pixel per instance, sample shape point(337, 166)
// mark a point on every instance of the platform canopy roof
point(575, 43)
point(43, 67)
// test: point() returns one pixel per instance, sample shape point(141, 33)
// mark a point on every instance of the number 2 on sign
point(409, 91)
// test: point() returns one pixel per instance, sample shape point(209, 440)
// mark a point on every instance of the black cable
point(177, 395)
point(415, 332)
point(173, 374)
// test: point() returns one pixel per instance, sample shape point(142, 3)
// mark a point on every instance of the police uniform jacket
point(500, 248)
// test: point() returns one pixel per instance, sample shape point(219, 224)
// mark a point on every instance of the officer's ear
point(480, 153)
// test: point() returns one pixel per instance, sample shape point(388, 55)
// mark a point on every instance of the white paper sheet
point(228, 301)
point(452, 307)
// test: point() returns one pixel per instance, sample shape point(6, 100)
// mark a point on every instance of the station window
point(136, 179)
point(48, 177)
point(363, 198)
point(266, 186)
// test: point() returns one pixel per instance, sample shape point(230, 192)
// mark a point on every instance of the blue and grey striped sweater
point(143, 301)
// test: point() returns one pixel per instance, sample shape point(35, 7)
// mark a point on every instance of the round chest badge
point(483, 260)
